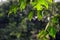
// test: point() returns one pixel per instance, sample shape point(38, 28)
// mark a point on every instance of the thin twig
point(47, 26)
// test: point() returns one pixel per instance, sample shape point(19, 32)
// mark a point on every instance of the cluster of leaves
point(39, 6)
point(36, 4)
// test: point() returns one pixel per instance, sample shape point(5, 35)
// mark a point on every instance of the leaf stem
point(47, 26)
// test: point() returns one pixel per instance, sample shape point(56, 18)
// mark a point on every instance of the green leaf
point(22, 5)
point(45, 38)
point(39, 15)
point(1, 14)
point(42, 34)
point(54, 20)
point(11, 33)
point(33, 3)
point(52, 31)
point(44, 3)
point(50, 1)
point(30, 16)
point(38, 7)
point(40, 3)
point(18, 35)
point(13, 8)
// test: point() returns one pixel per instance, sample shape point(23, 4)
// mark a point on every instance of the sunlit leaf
point(39, 15)
point(22, 4)
point(15, 9)
point(42, 34)
point(44, 3)
point(50, 1)
point(40, 3)
point(30, 16)
point(38, 7)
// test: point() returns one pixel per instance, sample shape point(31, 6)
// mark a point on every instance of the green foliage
point(23, 25)
point(42, 35)
point(30, 16)
point(39, 15)
point(54, 19)
point(50, 1)
point(52, 31)
point(13, 9)
point(22, 4)
point(1, 15)
point(16, 34)
point(37, 5)
point(44, 3)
